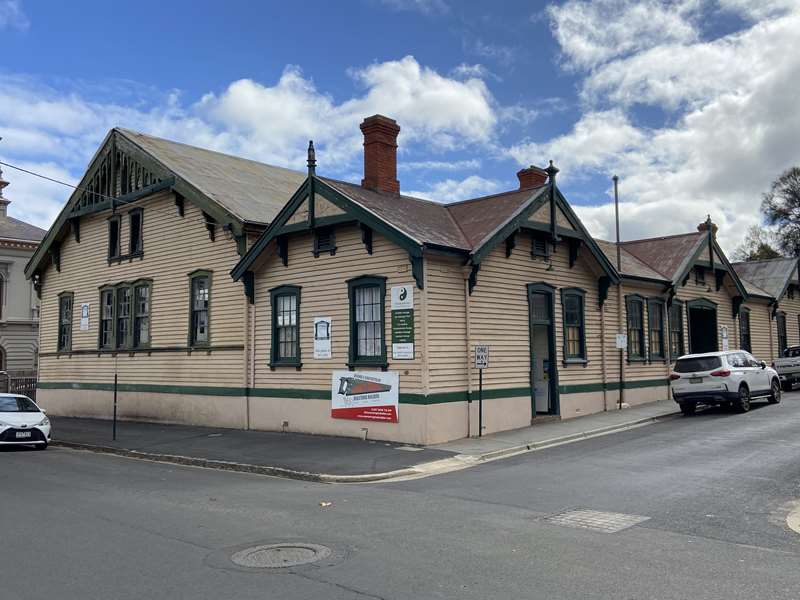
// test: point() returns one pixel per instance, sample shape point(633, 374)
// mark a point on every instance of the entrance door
point(544, 375)
point(702, 326)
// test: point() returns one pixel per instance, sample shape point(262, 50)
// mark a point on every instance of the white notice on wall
point(84, 317)
point(724, 334)
point(322, 337)
point(622, 341)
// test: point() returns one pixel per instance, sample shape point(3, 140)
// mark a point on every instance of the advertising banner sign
point(365, 396)
point(322, 337)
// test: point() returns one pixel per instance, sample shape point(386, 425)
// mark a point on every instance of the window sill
point(331, 251)
point(380, 363)
point(293, 364)
point(112, 260)
point(637, 360)
point(575, 361)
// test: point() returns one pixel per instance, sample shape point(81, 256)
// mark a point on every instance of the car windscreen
point(793, 352)
point(700, 363)
point(10, 404)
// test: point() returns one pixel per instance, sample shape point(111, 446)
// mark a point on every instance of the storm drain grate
point(280, 556)
point(595, 520)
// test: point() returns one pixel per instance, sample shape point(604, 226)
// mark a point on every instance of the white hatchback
point(22, 422)
point(733, 378)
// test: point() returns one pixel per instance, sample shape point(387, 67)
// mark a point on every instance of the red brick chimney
point(380, 154)
point(531, 177)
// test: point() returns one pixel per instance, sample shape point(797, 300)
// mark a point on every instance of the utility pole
point(619, 296)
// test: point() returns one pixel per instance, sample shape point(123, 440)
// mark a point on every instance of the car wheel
point(775, 395)
point(41, 446)
point(688, 408)
point(742, 404)
point(786, 386)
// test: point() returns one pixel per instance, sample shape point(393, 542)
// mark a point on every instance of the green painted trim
point(295, 393)
point(583, 388)
point(581, 294)
point(354, 360)
point(274, 359)
point(193, 276)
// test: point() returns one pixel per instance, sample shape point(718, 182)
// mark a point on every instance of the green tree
point(781, 208)
point(758, 244)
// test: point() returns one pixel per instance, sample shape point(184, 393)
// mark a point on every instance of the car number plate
point(23, 434)
point(695, 380)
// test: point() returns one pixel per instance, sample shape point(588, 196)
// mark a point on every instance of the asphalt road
point(715, 488)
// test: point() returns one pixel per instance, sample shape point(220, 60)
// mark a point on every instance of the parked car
point(22, 422)
point(788, 367)
point(733, 378)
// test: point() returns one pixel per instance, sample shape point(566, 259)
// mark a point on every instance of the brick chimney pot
point(380, 154)
point(531, 177)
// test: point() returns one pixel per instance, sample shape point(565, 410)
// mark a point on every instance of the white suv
point(732, 378)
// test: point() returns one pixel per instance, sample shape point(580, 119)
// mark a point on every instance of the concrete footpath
point(333, 459)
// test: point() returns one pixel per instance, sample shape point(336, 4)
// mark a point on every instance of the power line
point(5, 164)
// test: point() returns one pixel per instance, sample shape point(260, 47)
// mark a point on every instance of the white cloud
point(452, 190)
point(12, 15)
point(590, 33)
point(271, 123)
point(732, 127)
point(439, 165)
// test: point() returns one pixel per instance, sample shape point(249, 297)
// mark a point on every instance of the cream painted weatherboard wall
point(169, 382)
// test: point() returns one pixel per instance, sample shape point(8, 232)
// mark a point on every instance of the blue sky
point(687, 100)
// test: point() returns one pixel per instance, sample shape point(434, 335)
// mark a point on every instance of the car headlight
point(45, 421)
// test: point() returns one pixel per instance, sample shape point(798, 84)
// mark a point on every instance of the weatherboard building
point(222, 291)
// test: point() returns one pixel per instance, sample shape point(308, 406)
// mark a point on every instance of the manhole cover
point(595, 520)
point(278, 556)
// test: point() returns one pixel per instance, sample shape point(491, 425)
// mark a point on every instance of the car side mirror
point(763, 364)
point(43, 411)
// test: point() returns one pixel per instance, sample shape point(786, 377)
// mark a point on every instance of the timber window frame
point(372, 301)
point(279, 356)
point(135, 232)
point(141, 317)
point(780, 325)
point(106, 318)
point(114, 238)
point(699, 275)
point(656, 346)
point(677, 346)
point(745, 341)
point(196, 338)
point(120, 321)
point(573, 330)
point(66, 302)
point(634, 307)
point(324, 241)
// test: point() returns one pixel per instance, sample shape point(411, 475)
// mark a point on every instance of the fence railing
point(19, 382)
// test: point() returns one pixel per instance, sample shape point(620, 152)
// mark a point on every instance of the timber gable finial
point(312, 158)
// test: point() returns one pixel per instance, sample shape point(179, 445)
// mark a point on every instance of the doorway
point(702, 316)
point(543, 372)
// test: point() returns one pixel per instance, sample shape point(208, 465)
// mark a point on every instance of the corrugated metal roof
point(752, 288)
point(14, 229)
point(422, 220)
point(461, 225)
point(631, 266)
point(665, 254)
point(250, 190)
point(480, 217)
point(770, 275)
